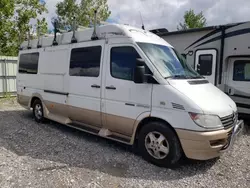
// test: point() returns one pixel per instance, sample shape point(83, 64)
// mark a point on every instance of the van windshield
point(168, 61)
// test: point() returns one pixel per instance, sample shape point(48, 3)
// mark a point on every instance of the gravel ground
point(53, 155)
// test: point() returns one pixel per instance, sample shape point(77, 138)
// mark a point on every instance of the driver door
point(124, 99)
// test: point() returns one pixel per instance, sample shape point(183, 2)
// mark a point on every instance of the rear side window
point(123, 62)
point(241, 70)
point(85, 61)
point(206, 64)
point(28, 63)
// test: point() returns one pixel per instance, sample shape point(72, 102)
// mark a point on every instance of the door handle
point(95, 86)
point(110, 87)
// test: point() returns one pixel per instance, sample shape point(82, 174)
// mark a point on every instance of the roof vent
point(159, 31)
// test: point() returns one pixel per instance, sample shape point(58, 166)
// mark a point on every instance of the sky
point(169, 13)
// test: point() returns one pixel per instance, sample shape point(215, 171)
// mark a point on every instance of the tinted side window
point(28, 63)
point(85, 61)
point(241, 70)
point(123, 61)
point(206, 64)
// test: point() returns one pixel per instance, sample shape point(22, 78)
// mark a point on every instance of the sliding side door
point(85, 83)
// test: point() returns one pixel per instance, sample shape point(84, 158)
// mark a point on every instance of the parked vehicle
point(219, 53)
point(128, 85)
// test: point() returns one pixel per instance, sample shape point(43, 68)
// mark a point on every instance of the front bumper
point(208, 145)
point(237, 129)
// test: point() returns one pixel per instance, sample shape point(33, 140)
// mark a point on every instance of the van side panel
point(54, 68)
point(84, 99)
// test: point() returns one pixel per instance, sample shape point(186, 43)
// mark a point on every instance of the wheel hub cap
point(157, 145)
point(38, 111)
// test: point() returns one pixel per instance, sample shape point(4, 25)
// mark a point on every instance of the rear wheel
point(159, 144)
point(38, 111)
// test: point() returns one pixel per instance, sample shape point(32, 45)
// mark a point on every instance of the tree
point(26, 11)
point(83, 11)
point(191, 20)
point(43, 25)
point(16, 16)
point(7, 8)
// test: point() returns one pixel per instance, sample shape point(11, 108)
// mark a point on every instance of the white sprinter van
point(128, 85)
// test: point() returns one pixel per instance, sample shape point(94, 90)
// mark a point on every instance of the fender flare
point(138, 120)
point(144, 116)
point(39, 96)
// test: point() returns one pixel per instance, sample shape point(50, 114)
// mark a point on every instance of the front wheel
point(159, 144)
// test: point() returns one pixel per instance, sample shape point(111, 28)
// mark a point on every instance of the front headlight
point(206, 121)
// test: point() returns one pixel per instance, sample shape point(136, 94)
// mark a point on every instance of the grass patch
point(8, 99)
point(7, 96)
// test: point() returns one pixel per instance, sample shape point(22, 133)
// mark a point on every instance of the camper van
point(129, 85)
point(219, 53)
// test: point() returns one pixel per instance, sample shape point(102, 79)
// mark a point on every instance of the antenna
point(73, 39)
point(142, 22)
point(19, 37)
point(29, 47)
point(94, 35)
point(19, 40)
point(38, 33)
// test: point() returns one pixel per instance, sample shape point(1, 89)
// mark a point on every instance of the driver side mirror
point(141, 71)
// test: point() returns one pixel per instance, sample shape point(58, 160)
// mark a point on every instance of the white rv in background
point(219, 53)
point(128, 85)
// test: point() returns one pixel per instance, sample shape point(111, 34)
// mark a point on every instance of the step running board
point(83, 127)
point(125, 140)
point(88, 129)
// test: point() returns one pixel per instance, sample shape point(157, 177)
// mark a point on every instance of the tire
point(166, 153)
point(38, 111)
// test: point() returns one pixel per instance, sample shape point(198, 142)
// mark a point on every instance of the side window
point(85, 61)
point(205, 64)
point(123, 61)
point(28, 63)
point(241, 71)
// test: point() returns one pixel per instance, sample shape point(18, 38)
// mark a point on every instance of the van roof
point(103, 32)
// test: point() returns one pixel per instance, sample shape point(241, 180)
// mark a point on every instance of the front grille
point(228, 121)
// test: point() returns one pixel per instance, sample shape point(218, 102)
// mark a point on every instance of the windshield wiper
point(184, 77)
point(196, 77)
